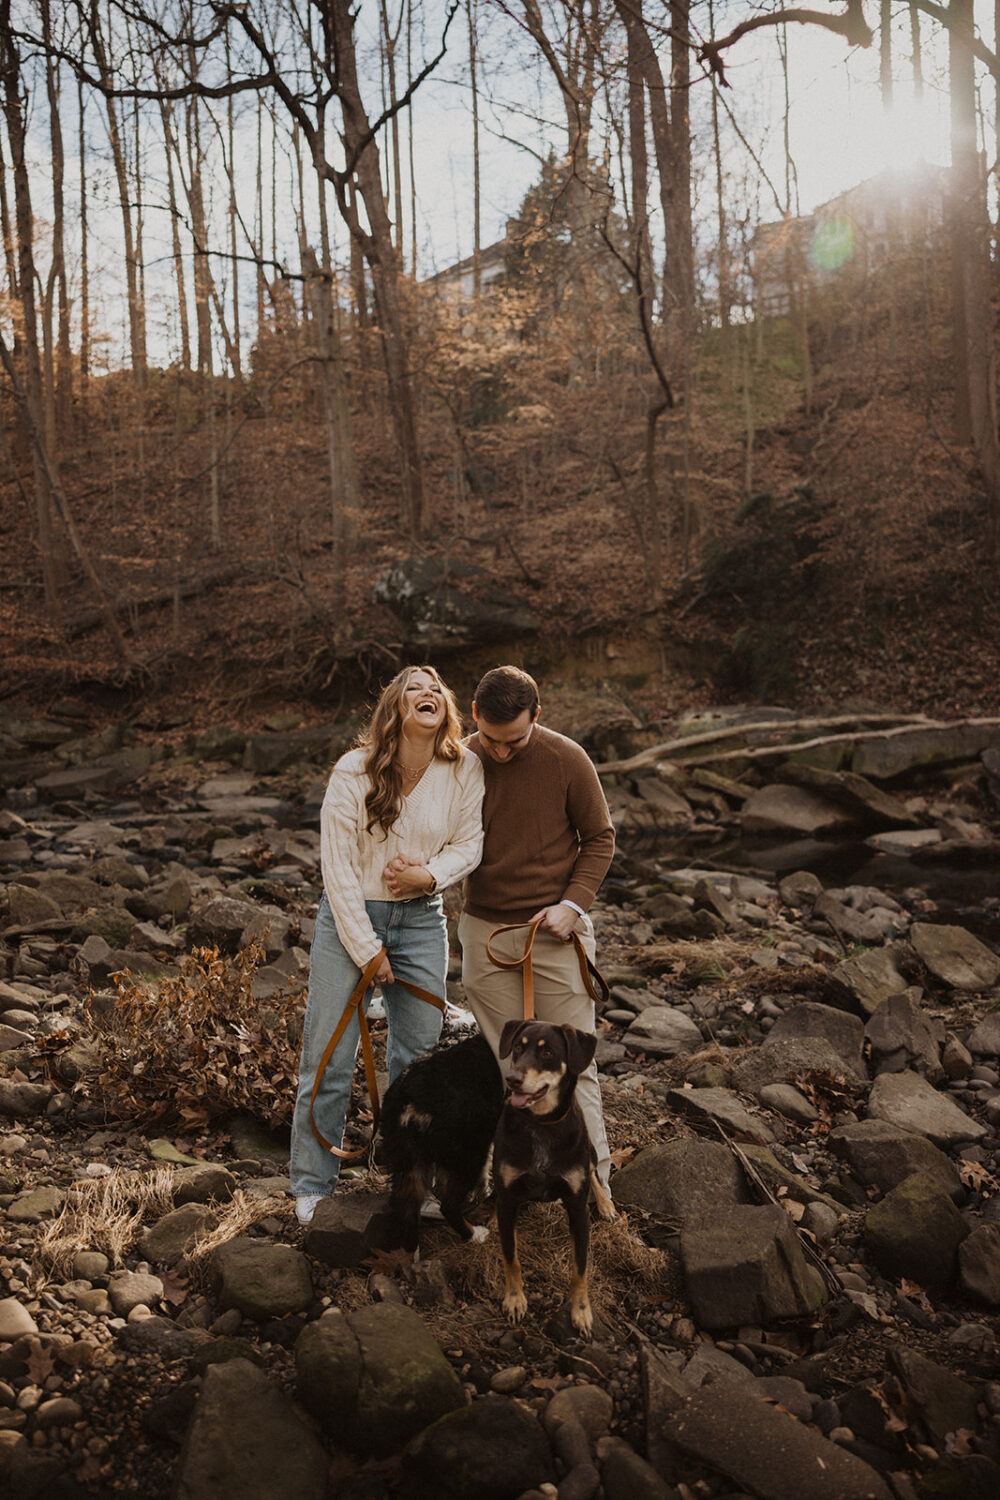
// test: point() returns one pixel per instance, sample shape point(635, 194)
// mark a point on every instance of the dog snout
point(514, 1079)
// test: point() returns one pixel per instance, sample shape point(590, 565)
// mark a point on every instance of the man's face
point(504, 741)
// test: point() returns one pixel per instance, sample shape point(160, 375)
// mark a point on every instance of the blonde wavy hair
point(382, 738)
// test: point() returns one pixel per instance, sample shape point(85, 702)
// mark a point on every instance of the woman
point(401, 819)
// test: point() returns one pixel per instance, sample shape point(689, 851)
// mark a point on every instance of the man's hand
point(407, 877)
point(559, 920)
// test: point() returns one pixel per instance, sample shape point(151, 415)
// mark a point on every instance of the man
point(548, 843)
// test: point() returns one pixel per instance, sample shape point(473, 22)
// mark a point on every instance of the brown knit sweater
point(548, 832)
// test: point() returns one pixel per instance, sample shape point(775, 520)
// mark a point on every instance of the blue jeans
point(415, 937)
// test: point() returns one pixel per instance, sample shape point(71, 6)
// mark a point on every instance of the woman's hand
point(407, 877)
point(384, 974)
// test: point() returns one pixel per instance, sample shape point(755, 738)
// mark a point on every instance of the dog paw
point(479, 1233)
point(582, 1319)
point(515, 1305)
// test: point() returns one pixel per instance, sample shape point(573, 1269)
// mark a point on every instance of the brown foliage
point(189, 1049)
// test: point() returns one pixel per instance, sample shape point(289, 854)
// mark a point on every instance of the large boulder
point(915, 1231)
point(682, 1180)
point(747, 1266)
point(863, 983)
point(446, 604)
point(492, 1450)
point(909, 1101)
point(765, 1451)
point(843, 1031)
point(247, 1439)
point(374, 1378)
point(262, 1280)
point(955, 956)
point(882, 1155)
point(791, 809)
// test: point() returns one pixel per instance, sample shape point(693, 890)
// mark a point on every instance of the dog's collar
point(551, 1119)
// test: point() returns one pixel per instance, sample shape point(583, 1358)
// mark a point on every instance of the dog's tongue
point(520, 1101)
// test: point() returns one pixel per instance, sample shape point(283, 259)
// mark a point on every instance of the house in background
point(848, 237)
point(457, 282)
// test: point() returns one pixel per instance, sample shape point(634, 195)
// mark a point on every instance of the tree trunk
point(14, 101)
point(976, 416)
point(172, 151)
point(57, 290)
point(84, 241)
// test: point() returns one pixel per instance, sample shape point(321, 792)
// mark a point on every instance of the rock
point(663, 1031)
point(867, 804)
point(219, 923)
point(909, 1101)
point(766, 1451)
point(723, 1106)
point(781, 1059)
point(784, 1182)
point(883, 1154)
point(850, 925)
point(492, 1450)
point(587, 1405)
point(131, 1289)
point(984, 1038)
point(422, 593)
point(204, 1183)
point(955, 956)
point(343, 1228)
point(262, 1280)
point(801, 888)
point(166, 1241)
point(747, 1266)
point(246, 1439)
point(788, 1101)
point(681, 1180)
point(979, 1264)
point(915, 1232)
point(791, 809)
point(40, 1203)
point(625, 1475)
point(866, 981)
point(23, 1101)
point(885, 759)
point(28, 906)
point(903, 1035)
point(844, 1032)
point(374, 1378)
point(945, 1403)
point(15, 1321)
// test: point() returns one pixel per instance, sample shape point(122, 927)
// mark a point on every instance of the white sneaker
point(305, 1207)
point(431, 1209)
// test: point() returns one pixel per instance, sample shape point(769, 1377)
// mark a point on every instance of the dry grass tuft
point(109, 1214)
point(106, 1214)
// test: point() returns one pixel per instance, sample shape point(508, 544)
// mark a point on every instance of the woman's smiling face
point(423, 702)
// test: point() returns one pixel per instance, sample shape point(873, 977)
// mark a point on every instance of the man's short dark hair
point(504, 693)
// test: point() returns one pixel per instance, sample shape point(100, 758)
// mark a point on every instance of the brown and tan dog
point(542, 1152)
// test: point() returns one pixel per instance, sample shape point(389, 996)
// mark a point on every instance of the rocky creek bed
point(801, 1295)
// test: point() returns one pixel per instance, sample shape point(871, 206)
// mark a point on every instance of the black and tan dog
point(542, 1151)
point(437, 1125)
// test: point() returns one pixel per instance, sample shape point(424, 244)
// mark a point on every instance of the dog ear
point(510, 1030)
point(580, 1048)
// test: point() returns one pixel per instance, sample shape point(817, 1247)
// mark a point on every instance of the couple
point(520, 811)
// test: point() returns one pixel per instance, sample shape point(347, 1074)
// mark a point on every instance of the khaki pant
point(496, 996)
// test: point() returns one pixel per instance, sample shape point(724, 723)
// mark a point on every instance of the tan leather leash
point(594, 981)
point(354, 1003)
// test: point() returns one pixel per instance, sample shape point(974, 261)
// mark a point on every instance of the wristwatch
point(432, 888)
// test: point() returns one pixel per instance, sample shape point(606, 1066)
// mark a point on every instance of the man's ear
point(475, 713)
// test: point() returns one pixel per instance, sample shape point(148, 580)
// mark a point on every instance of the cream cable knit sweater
point(440, 825)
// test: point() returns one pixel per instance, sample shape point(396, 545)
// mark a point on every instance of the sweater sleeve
point(339, 818)
point(587, 808)
point(464, 847)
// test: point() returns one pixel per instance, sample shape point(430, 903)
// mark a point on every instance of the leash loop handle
point(594, 982)
point(355, 1003)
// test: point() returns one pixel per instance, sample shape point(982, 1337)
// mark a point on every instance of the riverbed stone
point(844, 1032)
point(247, 1439)
point(782, 1059)
point(907, 1100)
point(766, 1451)
point(984, 1038)
point(945, 1402)
point(724, 1107)
point(492, 1449)
point(219, 922)
point(979, 1264)
point(747, 1266)
point(682, 1180)
point(863, 982)
point(902, 1034)
point(955, 956)
point(262, 1280)
point(791, 809)
point(883, 1154)
point(663, 1031)
point(915, 1231)
point(166, 1241)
